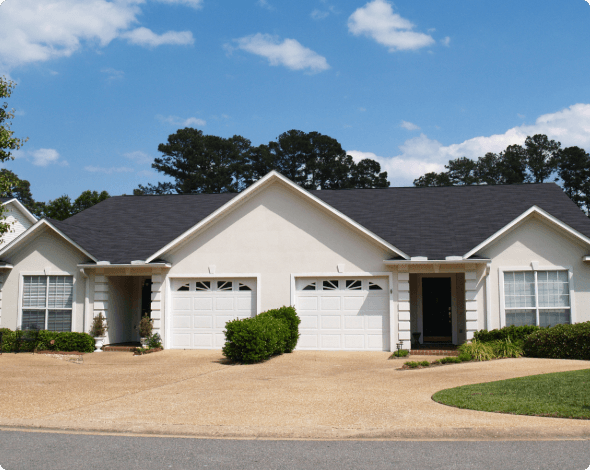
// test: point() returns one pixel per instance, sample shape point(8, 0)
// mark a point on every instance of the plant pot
point(98, 343)
point(144, 342)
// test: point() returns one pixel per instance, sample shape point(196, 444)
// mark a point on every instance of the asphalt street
point(46, 450)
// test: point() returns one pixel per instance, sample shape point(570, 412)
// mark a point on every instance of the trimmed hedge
point(560, 342)
point(514, 333)
point(257, 339)
point(289, 315)
point(43, 340)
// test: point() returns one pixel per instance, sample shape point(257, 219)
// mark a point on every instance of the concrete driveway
point(331, 395)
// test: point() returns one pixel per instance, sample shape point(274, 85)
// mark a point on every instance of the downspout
point(86, 298)
point(488, 298)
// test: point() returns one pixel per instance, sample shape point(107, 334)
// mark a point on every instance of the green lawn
point(559, 395)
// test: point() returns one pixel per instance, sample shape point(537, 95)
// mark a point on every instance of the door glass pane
point(34, 291)
point(33, 320)
point(61, 290)
point(59, 320)
point(554, 317)
point(520, 317)
point(519, 289)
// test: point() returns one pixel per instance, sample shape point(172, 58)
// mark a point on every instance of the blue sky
point(411, 84)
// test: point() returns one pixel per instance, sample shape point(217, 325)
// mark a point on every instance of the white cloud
point(419, 155)
point(178, 121)
point(138, 157)
point(113, 74)
point(377, 20)
point(265, 4)
point(409, 126)
point(446, 41)
point(289, 53)
point(319, 14)
point(146, 37)
point(46, 157)
point(109, 171)
point(41, 30)
point(196, 4)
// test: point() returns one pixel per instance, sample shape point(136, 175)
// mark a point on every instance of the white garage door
point(343, 314)
point(201, 308)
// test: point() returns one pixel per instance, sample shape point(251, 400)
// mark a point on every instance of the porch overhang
point(425, 261)
point(125, 265)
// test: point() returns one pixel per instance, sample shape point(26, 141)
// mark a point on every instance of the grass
point(558, 395)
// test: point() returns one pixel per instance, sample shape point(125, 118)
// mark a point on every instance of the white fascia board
point(22, 208)
point(536, 210)
point(33, 228)
point(267, 179)
point(123, 265)
point(393, 262)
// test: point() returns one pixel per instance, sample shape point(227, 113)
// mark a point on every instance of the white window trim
point(199, 276)
point(529, 268)
point(21, 284)
point(393, 325)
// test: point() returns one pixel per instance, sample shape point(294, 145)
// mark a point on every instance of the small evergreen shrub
point(71, 341)
point(506, 348)
point(290, 317)
point(146, 325)
point(255, 339)
point(411, 364)
point(99, 326)
point(465, 357)
point(514, 333)
point(154, 341)
point(401, 353)
point(479, 351)
point(425, 364)
point(450, 360)
point(43, 340)
point(560, 342)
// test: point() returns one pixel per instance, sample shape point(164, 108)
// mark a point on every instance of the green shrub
point(425, 364)
point(289, 316)
point(514, 333)
point(450, 360)
point(401, 353)
point(478, 350)
point(255, 339)
point(506, 348)
point(411, 364)
point(71, 341)
point(560, 342)
point(154, 341)
point(465, 357)
point(47, 340)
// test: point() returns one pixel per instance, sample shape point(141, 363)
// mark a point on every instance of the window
point(184, 287)
point(224, 285)
point(203, 285)
point(353, 284)
point(373, 286)
point(330, 285)
point(47, 302)
point(243, 287)
point(310, 286)
point(537, 298)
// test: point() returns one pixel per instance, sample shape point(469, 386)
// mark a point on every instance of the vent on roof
point(453, 258)
point(138, 261)
point(103, 263)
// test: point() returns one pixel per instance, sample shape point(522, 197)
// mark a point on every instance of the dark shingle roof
point(432, 222)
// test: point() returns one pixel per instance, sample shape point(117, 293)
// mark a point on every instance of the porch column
point(101, 296)
point(471, 313)
point(403, 309)
point(156, 305)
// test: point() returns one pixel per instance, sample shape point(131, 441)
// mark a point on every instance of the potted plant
point(145, 330)
point(99, 330)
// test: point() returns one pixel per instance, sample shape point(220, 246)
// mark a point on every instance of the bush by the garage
point(560, 342)
point(513, 333)
point(289, 315)
point(43, 340)
point(255, 339)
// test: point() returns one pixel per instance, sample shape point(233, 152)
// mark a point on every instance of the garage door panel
point(331, 342)
point(181, 303)
point(330, 303)
point(203, 303)
point(354, 341)
point(351, 314)
point(200, 313)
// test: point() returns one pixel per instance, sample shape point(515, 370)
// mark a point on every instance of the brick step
point(119, 348)
point(434, 352)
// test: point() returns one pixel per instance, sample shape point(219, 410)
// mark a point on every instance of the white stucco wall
point(18, 223)
point(536, 239)
point(274, 234)
point(44, 252)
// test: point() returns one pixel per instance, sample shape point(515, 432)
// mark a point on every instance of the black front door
point(436, 309)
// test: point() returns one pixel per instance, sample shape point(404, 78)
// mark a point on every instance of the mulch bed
point(148, 351)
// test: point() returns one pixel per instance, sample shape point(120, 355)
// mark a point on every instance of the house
point(17, 216)
point(365, 268)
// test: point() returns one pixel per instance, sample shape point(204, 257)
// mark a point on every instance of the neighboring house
point(364, 268)
point(18, 216)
